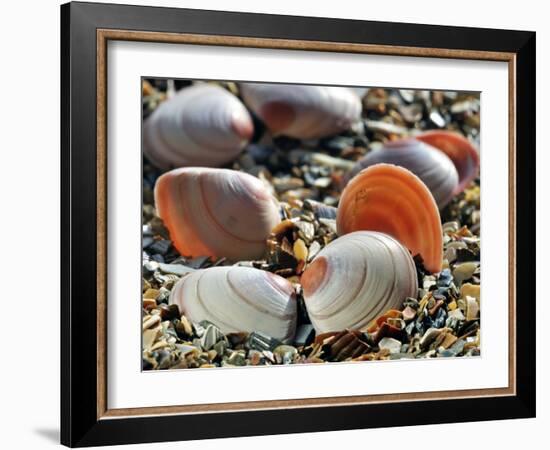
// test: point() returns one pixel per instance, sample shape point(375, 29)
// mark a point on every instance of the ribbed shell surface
point(364, 274)
point(460, 150)
point(216, 212)
point(202, 125)
point(393, 200)
point(302, 111)
point(432, 166)
point(239, 299)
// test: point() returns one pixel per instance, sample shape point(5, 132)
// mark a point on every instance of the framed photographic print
point(274, 224)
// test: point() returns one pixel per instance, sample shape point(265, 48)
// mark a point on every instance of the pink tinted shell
point(216, 212)
point(460, 151)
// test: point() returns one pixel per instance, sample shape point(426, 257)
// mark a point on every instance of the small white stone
point(472, 308)
point(391, 344)
point(457, 314)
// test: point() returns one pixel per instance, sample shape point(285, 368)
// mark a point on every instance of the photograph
point(288, 224)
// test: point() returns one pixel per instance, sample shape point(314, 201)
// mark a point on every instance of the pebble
point(390, 344)
point(169, 312)
point(448, 340)
point(314, 248)
point(149, 303)
point(450, 255)
point(457, 347)
point(161, 247)
point(150, 267)
point(408, 314)
point(285, 353)
point(330, 161)
point(321, 210)
point(306, 230)
point(437, 119)
point(385, 127)
point(146, 241)
point(237, 358)
point(339, 143)
point(464, 106)
point(151, 321)
point(211, 336)
point(175, 269)
point(322, 182)
point(394, 356)
point(304, 334)
point(260, 153)
point(457, 245)
point(300, 250)
point(429, 336)
point(149, 338)
point(151, 293)
point(199, 329)
point(464, 271)
point(428, 282)
point(260, 341)
point(186, 325)
point(472, 290)
point(472, 308)
point(287, 184)
point(329, 223)
point(198, 262)
point(220, 347)
point(186, 349)
point(164, 295)
point(255, 357)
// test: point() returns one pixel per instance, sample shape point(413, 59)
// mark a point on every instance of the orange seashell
point(393, 200)
point(460, 150)
point(216, 212)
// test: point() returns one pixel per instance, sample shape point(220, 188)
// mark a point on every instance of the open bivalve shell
point(432, 166)
point(216, 212)
point(237, 299)
point(393, 200)
point(300, 111)
point(202, 125)
point(356, 278)
point(460, 150)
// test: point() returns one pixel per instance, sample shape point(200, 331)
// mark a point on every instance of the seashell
point(202, 125)
point(435, 169)
point(460, 151)
point(393, 200)
point(216, 212)
point(239, 299)
point(356, 278)
point(302, 111)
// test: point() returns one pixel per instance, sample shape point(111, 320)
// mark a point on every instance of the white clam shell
point(355, 279)
point(202, 125)
point(432, 166)
point(239, 299)
point(216, 212)
point(303, 111)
